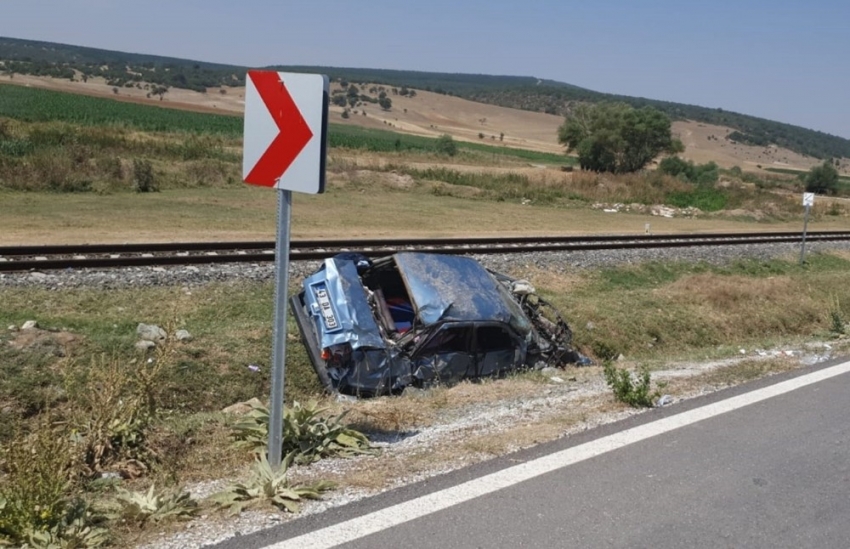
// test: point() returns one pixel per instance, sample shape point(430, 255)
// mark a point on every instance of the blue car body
point(420, 319)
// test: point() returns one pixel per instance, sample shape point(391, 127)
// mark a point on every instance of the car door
point(445, 355)
point(496, 350)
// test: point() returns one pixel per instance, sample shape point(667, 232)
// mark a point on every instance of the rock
point(13, 328)
point(550, 371)
point(556, 379)
point(35, 340)
point(144, 345)
point(664, 400)
point(132, 468)
point(620, 357)
point(29, 325)
point(151, 332)
point(182, 335)
point(242, 408)
point(590, 326)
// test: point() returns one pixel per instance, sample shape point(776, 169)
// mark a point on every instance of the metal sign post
point(281, 292)
point(808, 201)
point(285, 147)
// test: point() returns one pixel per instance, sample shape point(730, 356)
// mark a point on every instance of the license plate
point(325, 308)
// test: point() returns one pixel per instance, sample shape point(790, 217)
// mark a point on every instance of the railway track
point(27, 258)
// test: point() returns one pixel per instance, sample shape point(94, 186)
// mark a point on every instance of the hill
point(157, 75)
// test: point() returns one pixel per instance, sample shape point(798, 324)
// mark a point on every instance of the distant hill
point(122, 69)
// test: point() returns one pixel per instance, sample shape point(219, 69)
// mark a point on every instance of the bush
point(635, 393)
point(703, 174)
point(446, 145)
point(143, 177)
point(822, 179)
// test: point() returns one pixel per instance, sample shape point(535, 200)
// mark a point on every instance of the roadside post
point(808, 202)
point(285, 147)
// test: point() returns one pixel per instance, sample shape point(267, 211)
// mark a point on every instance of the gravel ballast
point(135, 277)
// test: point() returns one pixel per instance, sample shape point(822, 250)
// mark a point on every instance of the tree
point(386, 103)
point(446, 145)
point(822, 179)
point(615, 137)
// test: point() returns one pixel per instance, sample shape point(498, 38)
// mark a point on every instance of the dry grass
point(743, 306)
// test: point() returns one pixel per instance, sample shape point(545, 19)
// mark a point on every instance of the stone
point(150, 332)
point(144, 345)
point(242, 408)
point(29, 325)
point(182, 335)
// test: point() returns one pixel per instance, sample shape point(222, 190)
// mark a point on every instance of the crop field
point(39, 105)
point(353, 137)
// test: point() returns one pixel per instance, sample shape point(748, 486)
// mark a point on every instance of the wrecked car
point(420, 319)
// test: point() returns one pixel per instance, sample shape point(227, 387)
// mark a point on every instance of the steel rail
point(26, 258)
point(163, 247)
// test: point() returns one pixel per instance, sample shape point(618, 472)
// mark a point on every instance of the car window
point(448, 340)
point(493, 338)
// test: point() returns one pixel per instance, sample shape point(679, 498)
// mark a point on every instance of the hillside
point(736, 138)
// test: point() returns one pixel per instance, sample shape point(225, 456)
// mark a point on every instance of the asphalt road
point(772, 473)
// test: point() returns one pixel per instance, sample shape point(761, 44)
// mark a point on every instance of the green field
point(37, 105)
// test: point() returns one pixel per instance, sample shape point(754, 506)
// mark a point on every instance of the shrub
point(143, 177)
point(446, 145)
point(822, 179)
point(635, 393)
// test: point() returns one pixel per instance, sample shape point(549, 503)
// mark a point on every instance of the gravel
point(191, 276)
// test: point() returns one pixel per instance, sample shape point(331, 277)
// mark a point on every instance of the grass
point(386, 141)
point(651, 313)
point(39, 105)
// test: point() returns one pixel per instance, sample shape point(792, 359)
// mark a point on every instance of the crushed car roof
point(447, 287)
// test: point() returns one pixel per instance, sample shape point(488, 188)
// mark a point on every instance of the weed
point(266, 484)
point(837, 317)
point(140, 507)
point(37, 505)
point(307, 436)
point(634, 392)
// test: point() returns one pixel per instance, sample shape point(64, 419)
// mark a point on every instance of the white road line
point(395, 515)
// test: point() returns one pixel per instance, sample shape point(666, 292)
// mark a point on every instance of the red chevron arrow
point(294, 131)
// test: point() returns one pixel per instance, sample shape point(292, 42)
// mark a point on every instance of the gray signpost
point(808, 202)
point(285, 146)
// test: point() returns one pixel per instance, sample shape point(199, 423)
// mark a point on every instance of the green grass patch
point(495, 186)
point(707, 199)
point(377, 140)
point(38, 105)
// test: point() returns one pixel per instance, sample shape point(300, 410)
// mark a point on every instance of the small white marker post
point(808, 202)
point(285, 147)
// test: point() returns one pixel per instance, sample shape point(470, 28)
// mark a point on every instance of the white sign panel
point(285, 137)
point(808, 199)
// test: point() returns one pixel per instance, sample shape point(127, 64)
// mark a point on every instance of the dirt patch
point(36, 340)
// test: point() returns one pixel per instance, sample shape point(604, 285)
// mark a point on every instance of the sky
point(785, 60)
